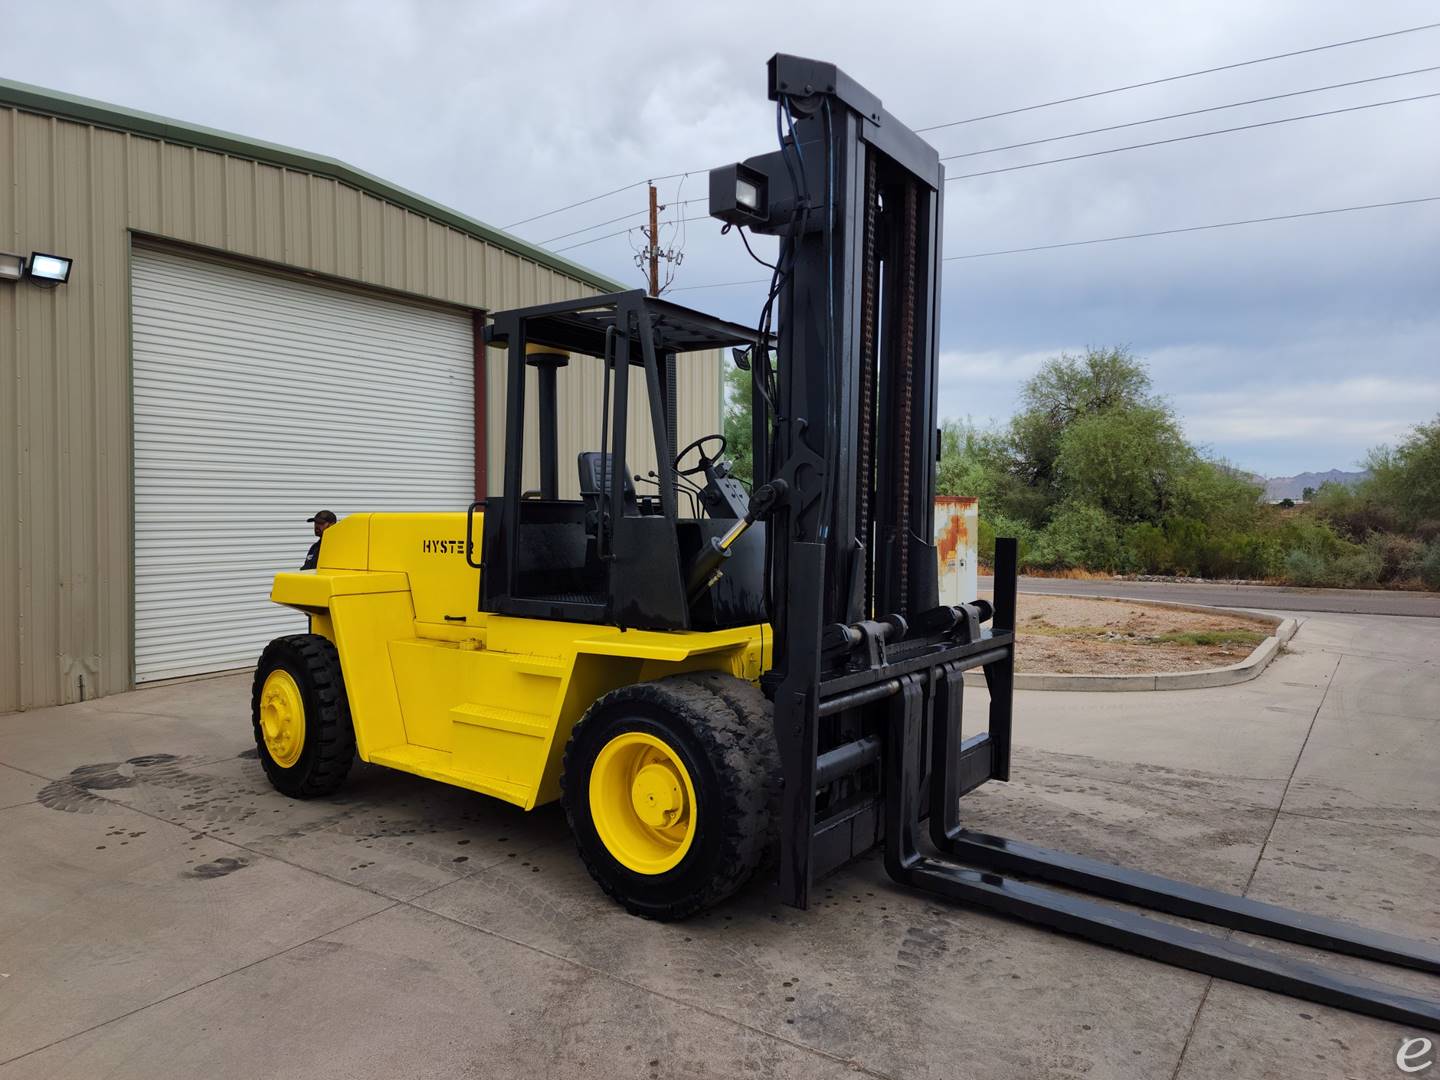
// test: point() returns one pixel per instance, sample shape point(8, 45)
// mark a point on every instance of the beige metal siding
point(66, 525)
point(580, 397)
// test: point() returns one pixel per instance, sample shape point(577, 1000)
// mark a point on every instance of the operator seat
point(594, 472)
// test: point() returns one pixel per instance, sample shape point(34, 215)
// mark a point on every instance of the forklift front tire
point(303, 733)
point(668, 787)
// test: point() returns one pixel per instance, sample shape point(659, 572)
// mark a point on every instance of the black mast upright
point(867, 676)
point(847, 419)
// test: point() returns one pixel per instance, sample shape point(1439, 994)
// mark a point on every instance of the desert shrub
point(1149, 548)
point(1354, 513)
point(1407, 478)
point(998, 525)
point(1094, 472)
point(1399, 555)
point(1354, 570)
point(1244, 555)
point(1182, 545)
point(1311, 535)
point(1189, 540)
point(1428, 566)
point(1304, 567)
point(1081, 535)
point(1315, 555)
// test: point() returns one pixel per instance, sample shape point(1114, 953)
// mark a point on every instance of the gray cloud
point(1287, 346)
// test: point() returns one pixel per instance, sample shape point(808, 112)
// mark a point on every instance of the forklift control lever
point(706, 570)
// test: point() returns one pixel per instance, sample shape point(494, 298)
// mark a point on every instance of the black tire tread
point(329, 732)
point(730, 718)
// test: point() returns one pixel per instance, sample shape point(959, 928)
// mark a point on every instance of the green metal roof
point(54, 103)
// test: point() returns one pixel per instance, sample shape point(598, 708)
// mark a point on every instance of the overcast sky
point(1287, 346)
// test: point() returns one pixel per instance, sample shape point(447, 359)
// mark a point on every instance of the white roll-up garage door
point(259, 400)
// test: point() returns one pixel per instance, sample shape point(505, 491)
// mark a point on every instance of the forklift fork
point(977, 869)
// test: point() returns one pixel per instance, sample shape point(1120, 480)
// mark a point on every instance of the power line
point(622, 232)
point(723, 284)
point(1031, 108)
point(1176, 78)
point(1126, 236)
point(1026, 108)
point(596, 198)
point(1190, 112)
point(1093, 153)
point(587, 228)
point(612, 221)
point(1186, 138)
point(1194, 228)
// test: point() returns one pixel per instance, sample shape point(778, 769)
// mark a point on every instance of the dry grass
point(1073, 574)
point(1090, 635)
point(1234, 636)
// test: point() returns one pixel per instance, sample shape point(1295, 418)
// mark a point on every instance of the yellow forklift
point(713, 679)
point(468, 647)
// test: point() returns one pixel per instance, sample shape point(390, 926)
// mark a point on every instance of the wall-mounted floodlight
point(12, 267)
point(51, 269)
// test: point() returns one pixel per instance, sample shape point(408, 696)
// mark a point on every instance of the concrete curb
point(1247, 669)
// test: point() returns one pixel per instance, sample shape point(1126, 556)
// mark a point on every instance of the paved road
point(1268, 597)
point(165, 914)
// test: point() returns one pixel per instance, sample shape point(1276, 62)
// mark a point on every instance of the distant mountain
point(1293, 487)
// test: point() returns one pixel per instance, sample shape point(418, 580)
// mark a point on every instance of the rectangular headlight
point(738, 195)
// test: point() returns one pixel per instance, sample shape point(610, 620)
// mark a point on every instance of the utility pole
point(669, 390)
point(649, 257)
point(654, 243)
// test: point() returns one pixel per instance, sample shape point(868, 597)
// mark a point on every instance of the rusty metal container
point(957, 529)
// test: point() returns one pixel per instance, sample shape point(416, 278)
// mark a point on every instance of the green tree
point(1125, 460)
point(1217, 492)
point(973, 461)
point(1407, 478)
point(738, 433)
point(1069, 387)
point(1064, 392)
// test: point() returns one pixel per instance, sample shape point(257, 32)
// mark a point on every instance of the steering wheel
point(706, 460)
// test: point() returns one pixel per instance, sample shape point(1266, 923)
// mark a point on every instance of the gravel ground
point(1067, 635)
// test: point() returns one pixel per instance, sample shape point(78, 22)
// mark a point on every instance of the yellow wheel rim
point(282, 718)
point(642, 802)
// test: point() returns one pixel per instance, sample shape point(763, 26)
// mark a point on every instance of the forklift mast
point(853, 193)
point(867, 673)
point(845, 415)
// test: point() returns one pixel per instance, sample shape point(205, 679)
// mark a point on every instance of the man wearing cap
point(322, 521)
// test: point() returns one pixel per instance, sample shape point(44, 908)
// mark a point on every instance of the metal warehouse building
point(249, 333)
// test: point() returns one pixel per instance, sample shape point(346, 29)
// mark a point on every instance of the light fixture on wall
point(12, 267)
point(49, 269)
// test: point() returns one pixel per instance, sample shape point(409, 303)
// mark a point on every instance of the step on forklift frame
point(867, 674)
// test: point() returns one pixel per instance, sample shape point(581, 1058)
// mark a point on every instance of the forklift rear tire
point(669, 790)
point(301, 716)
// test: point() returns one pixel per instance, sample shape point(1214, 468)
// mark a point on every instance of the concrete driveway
point(164, 913)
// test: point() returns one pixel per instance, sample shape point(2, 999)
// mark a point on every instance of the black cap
point(323, 515)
